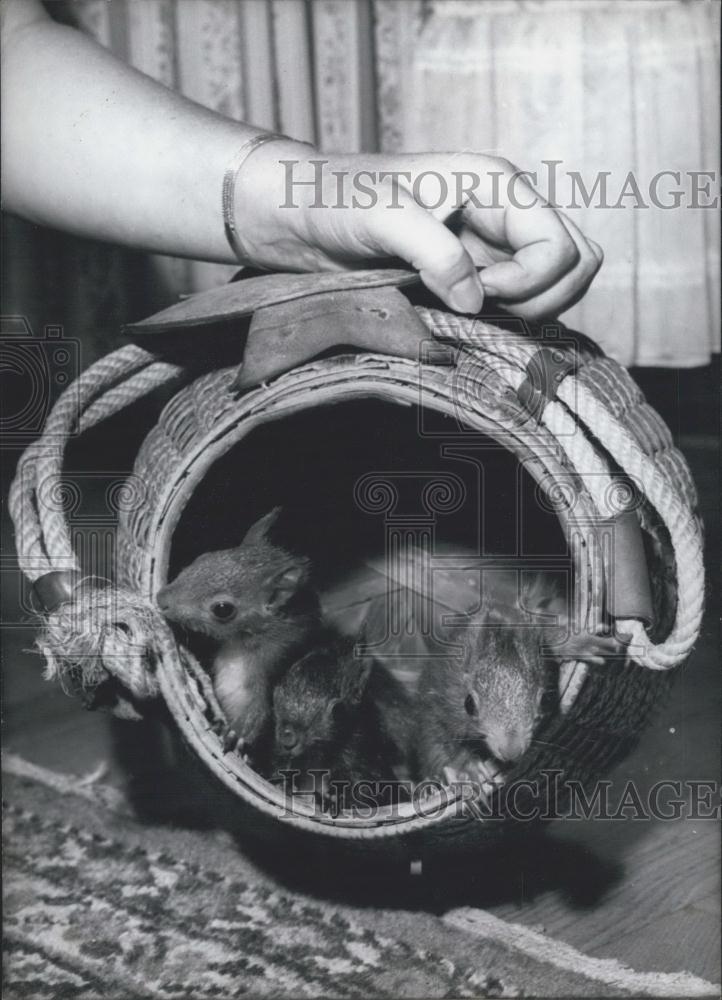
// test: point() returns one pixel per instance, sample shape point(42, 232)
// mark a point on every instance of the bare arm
point(91, 146)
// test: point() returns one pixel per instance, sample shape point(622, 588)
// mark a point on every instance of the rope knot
point(101, 632)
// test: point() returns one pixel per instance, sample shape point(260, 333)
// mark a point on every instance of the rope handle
point(680, 521)
point(573, 414)
point(90, 630)
point(108, 386)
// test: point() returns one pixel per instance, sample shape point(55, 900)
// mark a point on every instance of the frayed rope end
point(102, 631)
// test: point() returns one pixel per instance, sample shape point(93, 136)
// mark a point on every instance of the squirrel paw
point(330, 803)
point(330, 798)
point(431, 787)
point(594, 648)
point(487, 774)
point(456, 775)
point(231, 741)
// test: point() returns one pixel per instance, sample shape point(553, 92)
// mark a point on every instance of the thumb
point(409, 231)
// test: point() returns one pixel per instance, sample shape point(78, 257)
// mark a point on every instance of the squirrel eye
point(223, 610)
point(338, 711)
point(470, 705)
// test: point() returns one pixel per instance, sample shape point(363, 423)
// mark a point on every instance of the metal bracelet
point(229, 186)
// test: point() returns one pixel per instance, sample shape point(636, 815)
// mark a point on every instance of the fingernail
point(467, 296)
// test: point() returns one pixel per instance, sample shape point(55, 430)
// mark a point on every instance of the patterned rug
point(97, 905)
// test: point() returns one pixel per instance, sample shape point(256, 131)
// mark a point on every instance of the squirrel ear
point(284, 585)
point(356, 675)
point(259, 530)
point(542, 596)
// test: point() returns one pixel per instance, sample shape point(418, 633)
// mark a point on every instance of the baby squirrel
point(488, 700)
point(485, 702)
point(342, 716)
point(257, 604)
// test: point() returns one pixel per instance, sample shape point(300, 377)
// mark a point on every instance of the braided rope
point(580, 407)
point(135, 387)
point(681, 523)
point(100, 630)
point(43, 539)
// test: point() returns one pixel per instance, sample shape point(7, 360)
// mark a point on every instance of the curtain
point(621, 86)
point(600, 85)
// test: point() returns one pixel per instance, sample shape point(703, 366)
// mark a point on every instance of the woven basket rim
point(333, 380)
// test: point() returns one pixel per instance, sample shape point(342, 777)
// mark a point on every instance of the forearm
point(91, 146)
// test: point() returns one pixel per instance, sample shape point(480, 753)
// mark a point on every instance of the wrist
point(267, 213)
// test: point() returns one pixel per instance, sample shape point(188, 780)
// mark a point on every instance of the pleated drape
point(622, 86)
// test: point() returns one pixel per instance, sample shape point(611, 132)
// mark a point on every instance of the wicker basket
point(575, 444)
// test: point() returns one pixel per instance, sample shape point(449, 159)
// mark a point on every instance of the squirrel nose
point(508, 746)
point(289, 739)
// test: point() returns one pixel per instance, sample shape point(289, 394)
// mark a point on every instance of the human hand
point(297, 209)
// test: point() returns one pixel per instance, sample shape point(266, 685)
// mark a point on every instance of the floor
point(646, 893)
